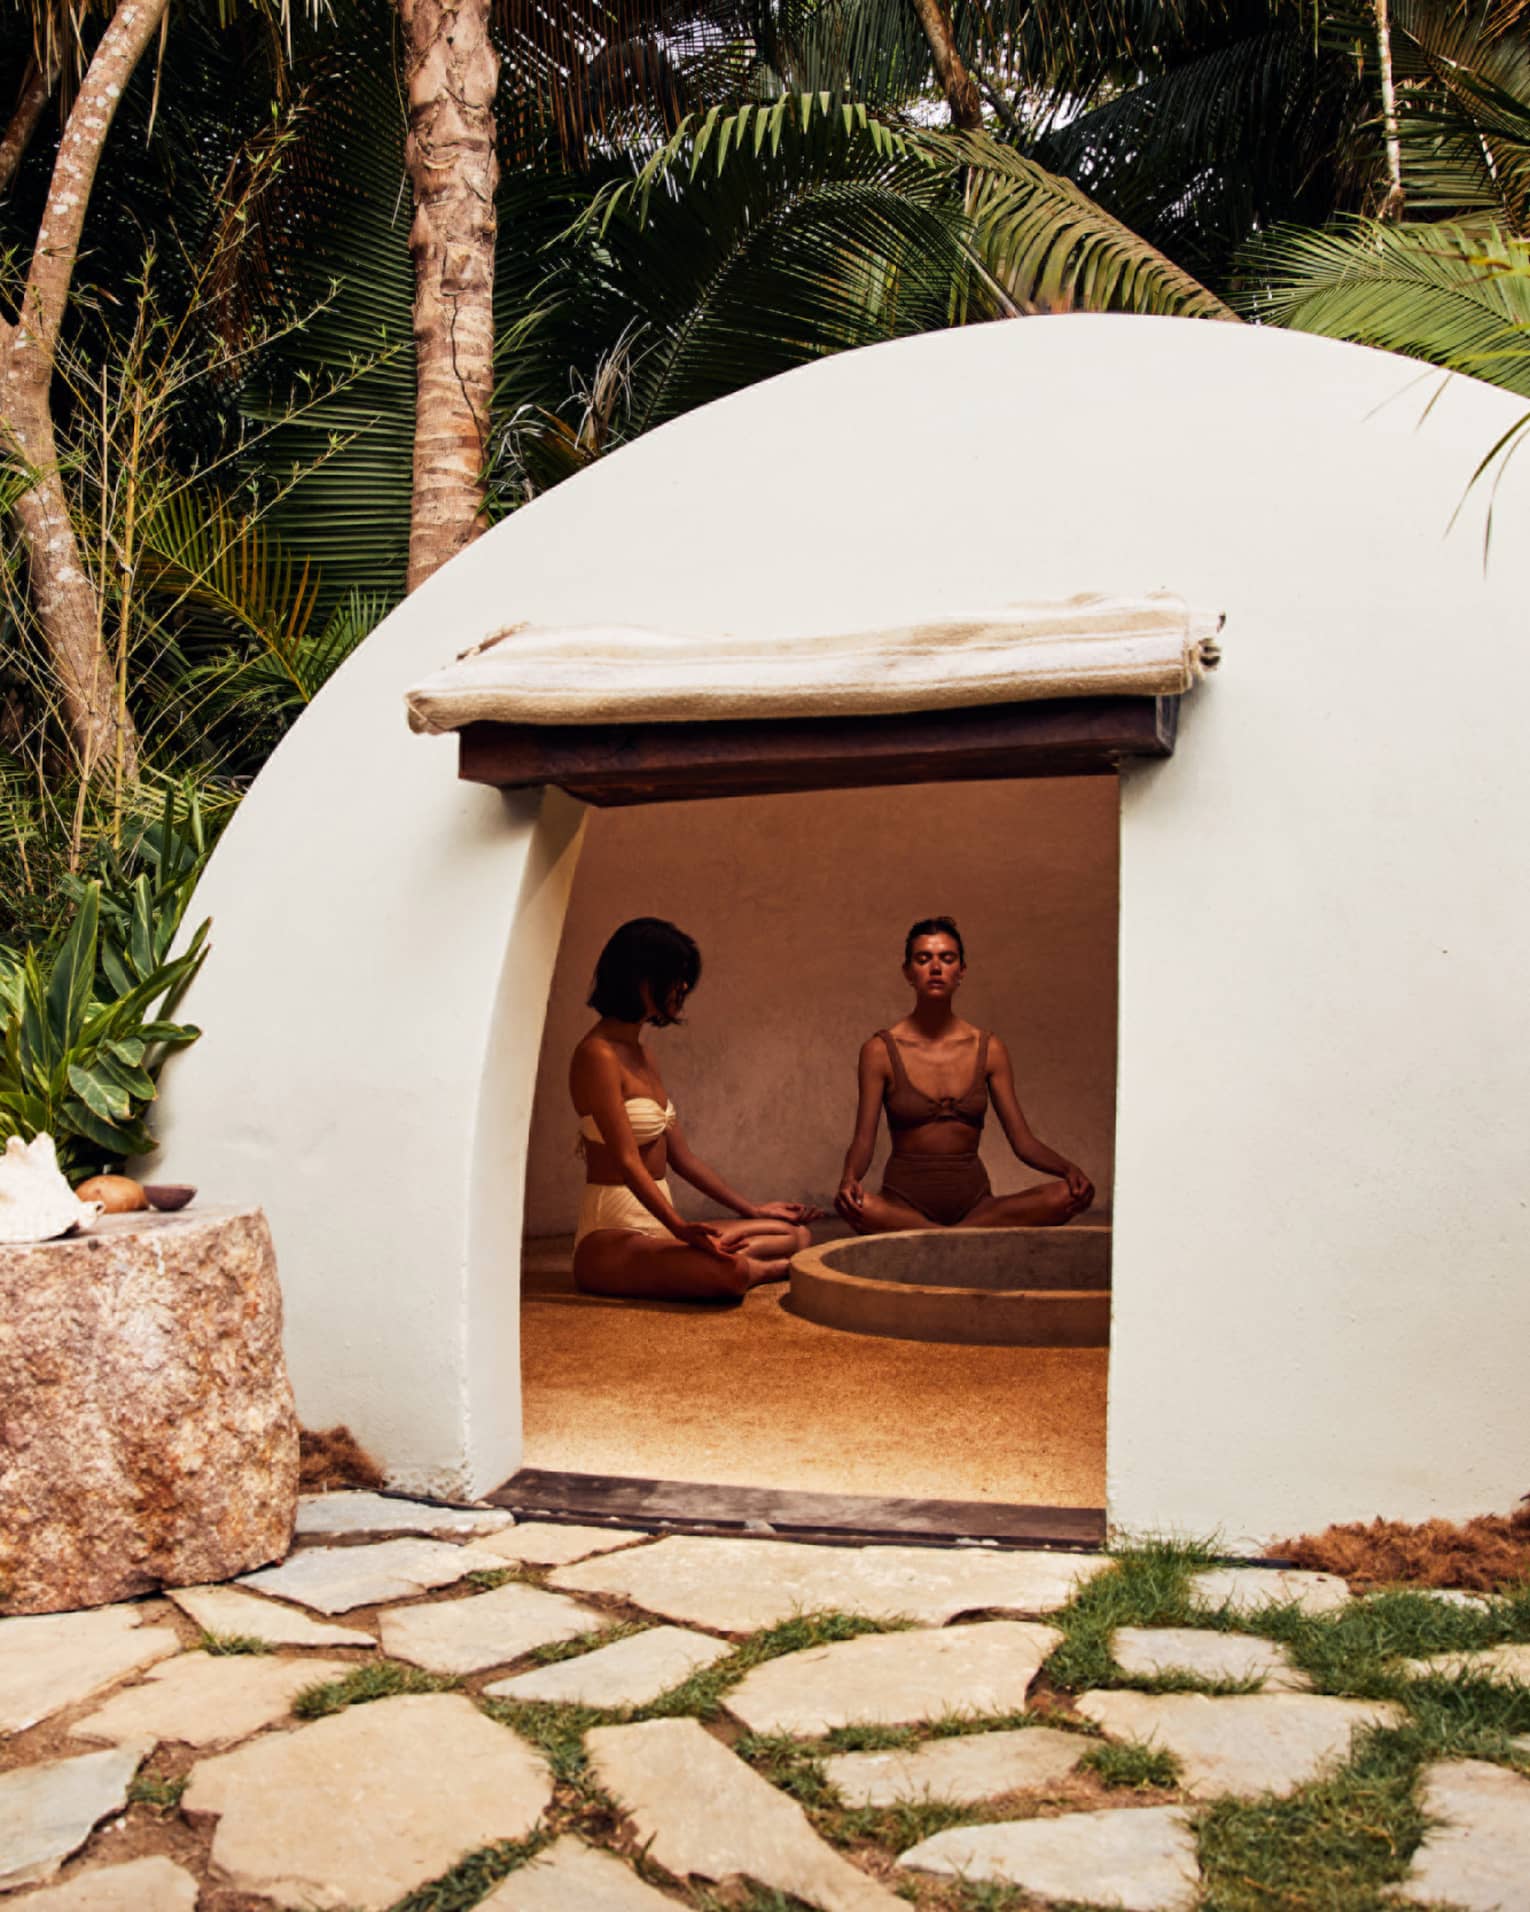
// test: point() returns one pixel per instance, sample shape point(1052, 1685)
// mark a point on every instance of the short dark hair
point(646, 950)
point(934, 926)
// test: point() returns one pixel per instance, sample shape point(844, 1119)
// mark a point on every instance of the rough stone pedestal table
point(148, 1435)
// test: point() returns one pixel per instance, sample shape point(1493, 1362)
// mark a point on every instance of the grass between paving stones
point(486, 1579)
point(1129, 1765)
point(162, 1795)
point(583, 1643)
point(220, 1644)
point(370, 1680)
point(1341, 1843)
point(1145, 1586)
point(473, 1878)
point(558, 1729)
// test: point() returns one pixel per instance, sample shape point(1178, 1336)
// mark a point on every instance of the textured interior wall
point(800, 904)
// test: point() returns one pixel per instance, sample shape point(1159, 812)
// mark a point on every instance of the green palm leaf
point(1457, 296)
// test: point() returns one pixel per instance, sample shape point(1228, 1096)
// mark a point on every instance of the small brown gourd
point(117, 1194)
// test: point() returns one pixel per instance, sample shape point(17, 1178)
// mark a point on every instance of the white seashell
point(36, 1203)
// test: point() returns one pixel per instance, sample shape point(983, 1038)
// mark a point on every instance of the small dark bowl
point(167, 1196)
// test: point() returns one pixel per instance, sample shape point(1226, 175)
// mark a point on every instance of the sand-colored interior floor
point(750, 1395)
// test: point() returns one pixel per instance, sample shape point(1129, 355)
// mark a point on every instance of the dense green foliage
point(695, 195)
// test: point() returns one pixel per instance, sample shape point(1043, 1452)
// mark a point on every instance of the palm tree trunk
point(68, 611)
point(1392, 205)
point(950, 68)
point(452, 72)
point(36, 85)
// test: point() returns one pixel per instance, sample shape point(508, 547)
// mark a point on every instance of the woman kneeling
point(630, 1239)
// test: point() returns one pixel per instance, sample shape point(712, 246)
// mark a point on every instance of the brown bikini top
point(910, 1108)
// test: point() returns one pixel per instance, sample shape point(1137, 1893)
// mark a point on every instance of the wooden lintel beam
point(610, 764)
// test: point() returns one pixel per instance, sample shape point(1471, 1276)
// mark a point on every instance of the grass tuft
point(585, 1643)
point(790, 1767)
point(556, 1730)
point(372, 1680)
point(908, 1823)
point(220, 1644)
point(871, 1739)
point(162, 1795)
point(487, 1579)
point(1336, 1844)
point(472, 1878)
point(1130, 1765)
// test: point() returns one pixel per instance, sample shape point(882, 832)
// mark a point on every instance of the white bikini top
point(648, 1119)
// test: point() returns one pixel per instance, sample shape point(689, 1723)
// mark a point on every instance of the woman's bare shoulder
point(594, 1057)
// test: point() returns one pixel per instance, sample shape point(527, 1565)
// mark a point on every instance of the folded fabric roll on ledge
point(1088, 646)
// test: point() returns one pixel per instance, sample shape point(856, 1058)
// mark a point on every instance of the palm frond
point(1456, 296)
point(1033, 240)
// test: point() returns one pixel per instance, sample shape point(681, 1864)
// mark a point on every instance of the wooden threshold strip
point(696, 1507)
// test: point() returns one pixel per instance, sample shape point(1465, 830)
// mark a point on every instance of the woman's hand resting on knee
point(798, 1214)
point(706, 1237)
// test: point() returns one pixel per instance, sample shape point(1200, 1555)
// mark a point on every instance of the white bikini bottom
point(613, 1205)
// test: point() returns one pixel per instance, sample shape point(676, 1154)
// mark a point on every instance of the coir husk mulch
point(332, 1457)
point(1483, 1555)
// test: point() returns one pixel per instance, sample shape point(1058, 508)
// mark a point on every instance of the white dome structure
point(1321, 1212)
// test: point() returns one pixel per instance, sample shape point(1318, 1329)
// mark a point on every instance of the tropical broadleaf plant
point(79, 1066)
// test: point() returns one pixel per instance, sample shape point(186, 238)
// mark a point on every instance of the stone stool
point(148, 1435)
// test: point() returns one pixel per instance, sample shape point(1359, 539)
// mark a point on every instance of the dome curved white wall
point(1321, 1226)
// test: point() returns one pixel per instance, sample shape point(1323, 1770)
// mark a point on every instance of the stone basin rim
point(828, 1289)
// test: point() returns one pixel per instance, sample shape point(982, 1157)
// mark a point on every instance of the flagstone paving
point(1156, 1652)
point(204, 1700)
point(740, 1585)
point(335, 1579)
point(629, 1672)
point(358, 1809)
point(52, 1660)
point(972, 1766)
point(1141, 1861)
point(893, 1678)
point(547, 1545)
point(486, 1629)
point(700, 1810)
point(353, 1513)
point(141, 1885)
point(1247, 1589)
point(1245, 1744)
point(570, 1876)
point(1484, 1663)
point(49, 1811)
point(1477, 1856)
point(246, 1616)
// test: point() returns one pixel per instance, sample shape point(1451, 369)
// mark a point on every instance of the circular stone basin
point(997, 1287)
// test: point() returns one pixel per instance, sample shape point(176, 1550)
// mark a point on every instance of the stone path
point(1160, 1653)
point(1140, 1861)
point(1477, 1857)
point(739, 1585)
point(973, 1766)
point(626, 1723)
point(1245, 1745)
point(893, 1678)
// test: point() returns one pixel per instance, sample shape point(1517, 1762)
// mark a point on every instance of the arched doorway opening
point(799, 903)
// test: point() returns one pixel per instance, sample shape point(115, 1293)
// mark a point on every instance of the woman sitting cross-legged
point(630, 1239)
point(934, 1074)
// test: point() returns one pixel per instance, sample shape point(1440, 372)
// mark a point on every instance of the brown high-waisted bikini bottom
point(943, 1188)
